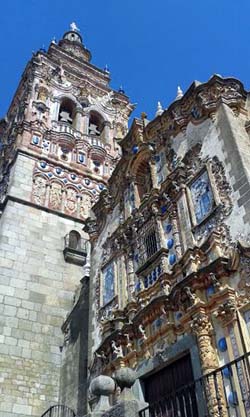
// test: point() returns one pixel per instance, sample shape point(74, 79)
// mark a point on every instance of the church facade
point(169, 284)
point(123, 249)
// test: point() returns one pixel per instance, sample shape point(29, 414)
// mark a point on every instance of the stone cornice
point(198, 103)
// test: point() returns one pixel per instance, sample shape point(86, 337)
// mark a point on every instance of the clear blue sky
point(150, 46)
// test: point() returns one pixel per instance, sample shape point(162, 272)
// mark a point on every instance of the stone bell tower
point(59, 145)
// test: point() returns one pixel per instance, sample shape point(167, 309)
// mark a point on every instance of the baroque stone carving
point(39, 190)
point(55, 197)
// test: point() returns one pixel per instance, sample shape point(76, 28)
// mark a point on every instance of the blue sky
point(149, 46)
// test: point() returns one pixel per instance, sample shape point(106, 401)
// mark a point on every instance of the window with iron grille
point(150, 243)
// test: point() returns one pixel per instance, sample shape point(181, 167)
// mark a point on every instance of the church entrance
point(172, 390)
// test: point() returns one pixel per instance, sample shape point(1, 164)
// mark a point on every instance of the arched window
point(96, 124)
point(74, 239)
point(75, 249)
point(66, 111)
point(143, 179)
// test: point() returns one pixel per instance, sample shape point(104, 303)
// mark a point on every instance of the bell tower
point(59, 146)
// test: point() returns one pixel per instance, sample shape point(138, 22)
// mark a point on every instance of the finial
point(106, 68)
point(73, 27)
point(179, 93)
point(42, 49)
point(121, 90)
point(53, 40)
point(159, 110)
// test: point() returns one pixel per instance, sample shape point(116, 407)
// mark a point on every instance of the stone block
point(15, 351)
point(18, 283)
point(32, 316)
point(22, 313)
point(10, 311)
point(4, 349)
point(28, 305)
point(22, 409)
point(12, 341)
point(12, 301)
point(26, 353)
point(6, 290)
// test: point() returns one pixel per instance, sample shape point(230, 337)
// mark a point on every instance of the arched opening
point(143, 179)
point(96, 124)
point(74, 239)
point(66, 111)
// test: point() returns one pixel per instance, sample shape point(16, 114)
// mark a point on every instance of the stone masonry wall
point(74, 370)
point(36, 293)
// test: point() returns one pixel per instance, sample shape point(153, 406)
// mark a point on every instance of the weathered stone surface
point(33, 313)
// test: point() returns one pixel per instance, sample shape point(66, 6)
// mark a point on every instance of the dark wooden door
point(171, 391)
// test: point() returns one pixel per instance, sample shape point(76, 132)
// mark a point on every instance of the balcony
point(98, 148)
point(75, 249)
point(222, 393)
point(66, 133)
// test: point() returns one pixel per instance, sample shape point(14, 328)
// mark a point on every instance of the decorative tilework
point(202, 197)
point(108, 283)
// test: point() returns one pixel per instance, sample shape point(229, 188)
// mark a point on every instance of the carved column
point(106, 132)
point(131, 277)
point(135, 191)
point(55, 109)
point(213, 384)
point(176, 233)
point(162, 238)
point(85, 123)
point(233, 328)
point(185, 223)
point(153, 171)
point(78, 120)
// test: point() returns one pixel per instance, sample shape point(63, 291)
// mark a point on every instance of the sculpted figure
point(39, 190)
point(56, 196)
point(117, 350)
point(142, 332)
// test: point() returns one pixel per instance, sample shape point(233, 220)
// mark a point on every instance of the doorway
point(170, 392)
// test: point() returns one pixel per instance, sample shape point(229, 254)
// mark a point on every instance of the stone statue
point(117, 350)
point(129, 344)
point(165, 286)
point(102, 357)
point(215, 282)
point(39, 190)
point(193, 299)
point(55, 197)
point(142, 332)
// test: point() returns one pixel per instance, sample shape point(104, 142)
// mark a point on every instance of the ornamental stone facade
point(170, 238)
point(125, 255)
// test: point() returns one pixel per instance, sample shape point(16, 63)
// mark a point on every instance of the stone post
point(153, 171)
point(102, 387)
point(78, 119)
point(213, 385)
point(105, 136)
point(85, 123)
point(131, 277)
